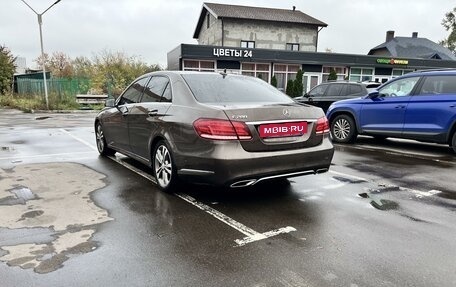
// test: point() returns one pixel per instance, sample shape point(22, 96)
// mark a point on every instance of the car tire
point(163, 166)
point(343, 129)
point(453, 142)
point(102, 147)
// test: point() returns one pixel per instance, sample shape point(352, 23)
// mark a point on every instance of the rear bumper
point(229, 164)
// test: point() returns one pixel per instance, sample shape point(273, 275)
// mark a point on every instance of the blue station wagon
point(419, 106)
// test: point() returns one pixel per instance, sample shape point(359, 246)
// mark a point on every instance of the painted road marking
point(79, 139)
point(418, 193)
point(251, 234)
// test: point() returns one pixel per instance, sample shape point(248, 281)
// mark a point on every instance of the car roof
point(448, 71)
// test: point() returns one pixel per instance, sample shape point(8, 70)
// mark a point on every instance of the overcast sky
point(151, 28)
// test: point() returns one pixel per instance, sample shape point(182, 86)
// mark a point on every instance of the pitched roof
point(255, 13)
point(410, 47)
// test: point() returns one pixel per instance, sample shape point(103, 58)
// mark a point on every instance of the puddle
point(48, 219)
point(380, 204)
point(42, 118)
point(384, 204)
point(7, 148)
point(31, 214)
point(21, 196)
point(348, 180)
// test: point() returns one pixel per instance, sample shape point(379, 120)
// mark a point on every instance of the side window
point(318, 91)
point(167, 97)
point(334, 90)
point(154, 89)
point(438, 85)
point(399, 88)
point(133, 93)
point(355, 89)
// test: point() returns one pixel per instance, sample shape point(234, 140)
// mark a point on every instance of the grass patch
point(29, 103)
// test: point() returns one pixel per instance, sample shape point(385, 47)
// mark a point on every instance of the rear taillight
point(222, 129)
point(322, 126)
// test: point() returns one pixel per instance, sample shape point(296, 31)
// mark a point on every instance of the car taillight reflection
point(217, 129)
point(322, 126)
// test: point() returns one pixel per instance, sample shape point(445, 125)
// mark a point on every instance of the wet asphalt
point(383, 216)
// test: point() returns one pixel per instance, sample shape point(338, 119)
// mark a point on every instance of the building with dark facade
point(263, 42)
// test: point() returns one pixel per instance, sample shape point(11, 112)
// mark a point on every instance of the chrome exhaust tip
point(321, 170)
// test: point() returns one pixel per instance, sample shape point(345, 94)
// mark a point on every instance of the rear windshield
point(216, 88)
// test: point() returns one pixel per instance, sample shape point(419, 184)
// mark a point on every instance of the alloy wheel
point(163, 166)
point(341, 129)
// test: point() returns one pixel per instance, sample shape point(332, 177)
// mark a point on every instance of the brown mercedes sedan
point(214, 128)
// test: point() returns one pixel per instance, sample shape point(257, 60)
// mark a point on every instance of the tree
point(113, 71)
point(332, 75)
point(60, 65)
point(274, 81)
point(449, 22)
point(290, 88)
point(82, 67)
point(298, 86)
point(7, 68)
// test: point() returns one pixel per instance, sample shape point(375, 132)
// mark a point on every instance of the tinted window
point(334, 90)
point(354, 89)
point(439, 85)
point(133, 93)
point(402, 87)
point(216, 88)
point(154, 89)
point(318, 91)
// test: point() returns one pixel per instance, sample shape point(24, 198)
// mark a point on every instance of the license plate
point(283, 130)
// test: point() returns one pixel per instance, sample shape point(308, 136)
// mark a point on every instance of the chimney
point(415, 35)
point(389, 36)
point(294, 8)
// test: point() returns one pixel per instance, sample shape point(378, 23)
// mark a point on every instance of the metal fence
point(67, 87)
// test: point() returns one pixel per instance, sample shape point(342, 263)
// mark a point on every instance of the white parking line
point(79, 139)
point(251, 234)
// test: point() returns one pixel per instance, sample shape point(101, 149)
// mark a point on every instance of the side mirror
point(110, 103)
point(373, 95)
point(306, 95)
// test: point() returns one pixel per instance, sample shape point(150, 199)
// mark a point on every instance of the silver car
point(214, 128)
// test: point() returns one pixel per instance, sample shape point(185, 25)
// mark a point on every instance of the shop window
point(248, 44)
point(340, 71)
point(292, 47)
point(361, 74)
point(400, 72)
point(201, 66)
point(284, 73)
point(258, 70)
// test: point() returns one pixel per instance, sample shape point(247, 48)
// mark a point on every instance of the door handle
point(452, 106)
point(152, 113)
point(399, 107)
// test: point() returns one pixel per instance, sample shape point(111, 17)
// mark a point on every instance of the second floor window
point(292, 47)
point(248, 44)
point(208, 20)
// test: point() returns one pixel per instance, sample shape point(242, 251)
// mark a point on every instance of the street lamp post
point(40, 22)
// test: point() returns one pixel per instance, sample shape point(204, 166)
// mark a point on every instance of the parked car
point(214, 128)
point(419, 105)
point(323, 95)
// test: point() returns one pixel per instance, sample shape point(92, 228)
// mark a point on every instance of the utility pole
point(40, 22)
